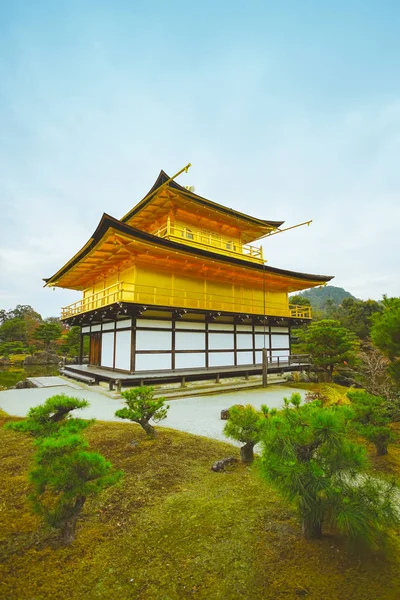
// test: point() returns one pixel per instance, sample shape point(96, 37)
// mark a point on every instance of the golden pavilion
point(178, 284)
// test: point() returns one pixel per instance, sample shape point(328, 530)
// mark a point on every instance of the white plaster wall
point(243, 327)
point(124, 323)
point(190, 361)
point(153, 340)
point(221, 359)
point(280, 341)
point(188, 340)
point(107, 349)
point(151, 323)
point(108, 326)
point(220, 341)
point(187, 325)
point(153, 362)
point(260, 341)
point(221, 327)
point(244, 340)
point(123, 350)
point(244, 358)
point(281, 353)
point(260, 328)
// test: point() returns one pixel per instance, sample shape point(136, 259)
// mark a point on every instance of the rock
point(4, 362)
point(225, 412)
point(71, 360)
point(224, 462)
point(25, 383)
point(42, 358)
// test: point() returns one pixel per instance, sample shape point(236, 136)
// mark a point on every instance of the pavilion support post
point(264, 367)
point(81, 349)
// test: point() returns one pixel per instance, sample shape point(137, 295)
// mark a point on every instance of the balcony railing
point(210, 241)
point(177, 298)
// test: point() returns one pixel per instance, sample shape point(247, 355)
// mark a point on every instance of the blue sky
point(287, 110)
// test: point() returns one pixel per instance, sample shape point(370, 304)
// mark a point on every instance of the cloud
point(86, 131)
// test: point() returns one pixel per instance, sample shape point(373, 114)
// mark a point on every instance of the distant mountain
point(319, 296)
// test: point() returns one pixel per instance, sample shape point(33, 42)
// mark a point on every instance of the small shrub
point(371, 419)
point(245, 425)
point(143, 407)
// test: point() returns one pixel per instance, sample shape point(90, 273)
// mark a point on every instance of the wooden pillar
point(264, 367)
point(81, 349)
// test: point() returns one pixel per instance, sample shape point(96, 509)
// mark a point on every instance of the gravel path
point(199, 415)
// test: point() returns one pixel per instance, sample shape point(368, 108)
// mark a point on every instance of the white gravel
point(199, 415)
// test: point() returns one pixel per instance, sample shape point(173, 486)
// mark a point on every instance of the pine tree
point(371, 419)
point(142, 406)
point(64, 475)
point(64, 471)
point(245, 425)
point(309, 459)
point(52, 416)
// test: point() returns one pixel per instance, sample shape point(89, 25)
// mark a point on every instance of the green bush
point(9, 348)
point(64, 475)
point(142, 406)
point(52, 417)
point(371, 419)
point(64, 472)
point(245, 425)
point(311, 462)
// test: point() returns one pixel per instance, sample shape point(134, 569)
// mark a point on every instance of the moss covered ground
point(173, 529)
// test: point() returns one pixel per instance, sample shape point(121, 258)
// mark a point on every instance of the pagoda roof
point(114, 242)
point(158, 201)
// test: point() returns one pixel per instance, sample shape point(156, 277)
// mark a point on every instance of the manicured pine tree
point(64, 474)
point(245, 425)
point(52, 416)
point(309, 459)
point(143, 407)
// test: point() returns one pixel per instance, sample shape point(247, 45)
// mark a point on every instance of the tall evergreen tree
point(385, 334)
point(329, 344)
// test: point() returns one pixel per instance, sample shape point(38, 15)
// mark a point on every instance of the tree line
point(356, 342)
point(24, 331)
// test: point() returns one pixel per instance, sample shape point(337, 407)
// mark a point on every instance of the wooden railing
point(289, 360)
point(210, 241)
point(177, 298)
point(300, 312)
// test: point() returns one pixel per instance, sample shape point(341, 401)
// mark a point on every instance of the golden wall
point(146, 285)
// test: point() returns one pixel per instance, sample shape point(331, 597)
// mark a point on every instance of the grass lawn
point(173, 529)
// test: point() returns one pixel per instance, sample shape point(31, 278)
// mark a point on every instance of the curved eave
point(163, 178)
point(107, 222)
